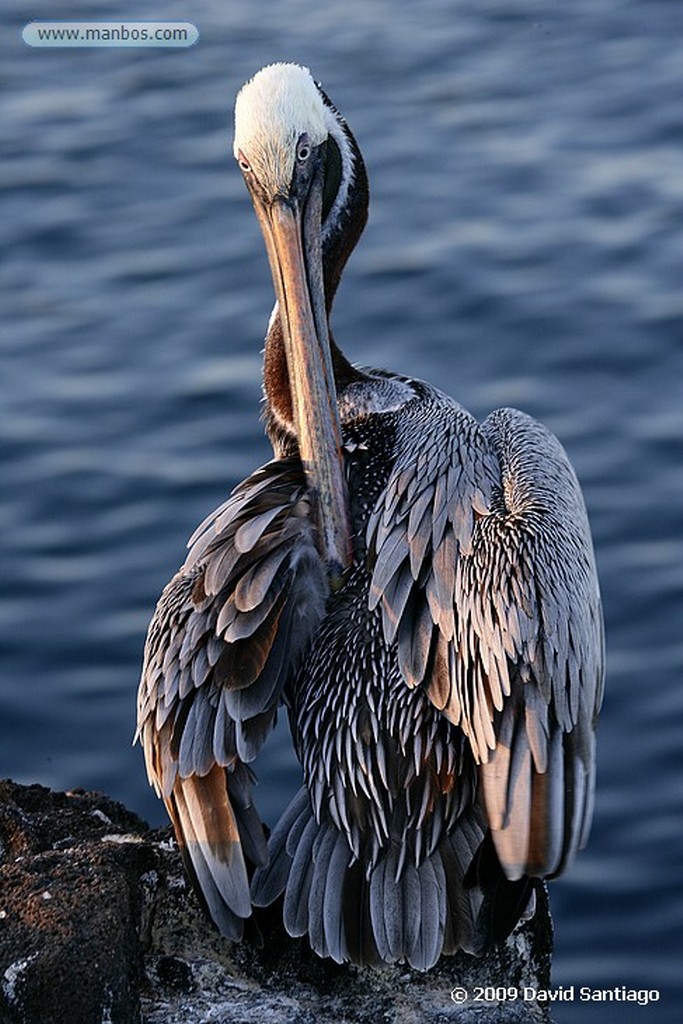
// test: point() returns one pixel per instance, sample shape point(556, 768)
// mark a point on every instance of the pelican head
point(282, 127)
point(279, 120)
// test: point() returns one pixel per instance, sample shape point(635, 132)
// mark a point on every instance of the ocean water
point(525, 247)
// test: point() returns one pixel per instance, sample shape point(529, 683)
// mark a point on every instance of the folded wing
point(483, 567)
point(227, 632)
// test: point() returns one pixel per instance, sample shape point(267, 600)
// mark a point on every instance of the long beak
point(294, 252)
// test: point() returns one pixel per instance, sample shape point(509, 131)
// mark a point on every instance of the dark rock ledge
point(98, 926)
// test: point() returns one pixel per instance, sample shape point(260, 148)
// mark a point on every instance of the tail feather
point(430, 938)
point(378, 913)
point(333, 907)
point(358, 931)
point(270, 882)
point(395, 909)
point(295, 911)
point(293, 835)
point(463, 904)
point(388, 911)
point(412, 923)
point(322, 853)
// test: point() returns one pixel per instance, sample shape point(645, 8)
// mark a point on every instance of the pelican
point(417, 589)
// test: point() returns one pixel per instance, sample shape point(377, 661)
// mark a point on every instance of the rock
point(68, 907)
point(99, 926)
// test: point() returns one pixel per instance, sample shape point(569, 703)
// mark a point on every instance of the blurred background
point(525, 247)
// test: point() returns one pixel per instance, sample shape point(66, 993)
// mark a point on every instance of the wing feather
point(495, 537)
point(228, 631)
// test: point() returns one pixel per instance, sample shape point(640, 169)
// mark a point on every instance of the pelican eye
point(303, 149)
point(243, 162)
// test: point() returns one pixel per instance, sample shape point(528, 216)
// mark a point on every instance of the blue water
point(525, 247)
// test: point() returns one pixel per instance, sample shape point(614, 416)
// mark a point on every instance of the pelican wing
point(482, 564)
point(226, 634)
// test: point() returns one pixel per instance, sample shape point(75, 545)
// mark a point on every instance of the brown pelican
point(417, 588)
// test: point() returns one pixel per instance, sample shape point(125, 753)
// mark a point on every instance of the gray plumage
point(442, 695)
point(463, 655)
point(226, 633)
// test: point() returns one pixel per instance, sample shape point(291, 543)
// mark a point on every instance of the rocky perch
point(98, 926)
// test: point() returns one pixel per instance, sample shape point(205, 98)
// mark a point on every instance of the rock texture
point(98, 926)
